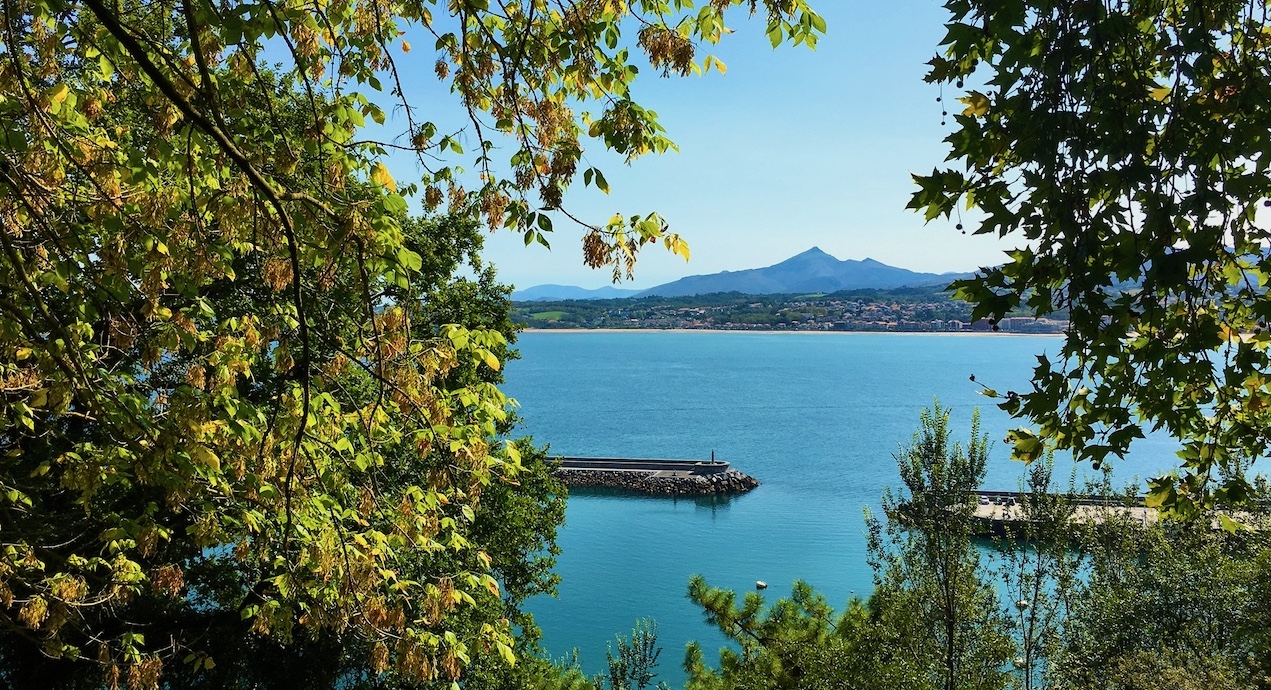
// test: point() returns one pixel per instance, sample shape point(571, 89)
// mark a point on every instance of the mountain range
point(552, 293)
point(810, 271)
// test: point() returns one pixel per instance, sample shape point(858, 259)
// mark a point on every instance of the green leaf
point(818, 22)
point(1229, 525)
point(409, 259)
point(506, 653)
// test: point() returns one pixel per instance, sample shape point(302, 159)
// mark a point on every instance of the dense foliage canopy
point(226, 384)
point(1126, 144)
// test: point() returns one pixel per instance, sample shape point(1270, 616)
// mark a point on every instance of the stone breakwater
point(730, 481)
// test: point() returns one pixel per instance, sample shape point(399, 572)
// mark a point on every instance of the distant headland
point(899, 310)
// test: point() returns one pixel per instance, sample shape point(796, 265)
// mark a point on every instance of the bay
point(815, 417)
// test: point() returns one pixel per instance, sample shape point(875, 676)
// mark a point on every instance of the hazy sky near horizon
point(791, 148)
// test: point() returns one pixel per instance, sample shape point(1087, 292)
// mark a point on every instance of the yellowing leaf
point(977, 104)
point(676, 244)
point(405, 47)
point(58, 93)
point(1160, 93)
point(491, 361)
point(204, 456)
point(682, 249)
point(380, 176)
point(22, 353)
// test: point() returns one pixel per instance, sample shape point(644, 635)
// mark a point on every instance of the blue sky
point(790, 149)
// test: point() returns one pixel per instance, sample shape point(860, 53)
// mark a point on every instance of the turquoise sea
point(815, 417)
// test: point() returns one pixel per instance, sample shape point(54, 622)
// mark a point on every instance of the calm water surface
point(815, 417)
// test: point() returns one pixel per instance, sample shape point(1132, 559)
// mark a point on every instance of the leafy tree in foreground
point(929, 588)
point(1172, 604)
point(1038, 564)
point(208, 350)
point(511, 534)
point(1124, 145)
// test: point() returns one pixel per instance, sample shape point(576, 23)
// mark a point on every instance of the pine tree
point(929, 588)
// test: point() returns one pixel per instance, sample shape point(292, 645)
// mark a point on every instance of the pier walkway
point(652, 466)
point(998, 511)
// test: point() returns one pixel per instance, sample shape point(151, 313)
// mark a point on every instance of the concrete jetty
point(999, 512)
point(996, 512)
point(655, 476)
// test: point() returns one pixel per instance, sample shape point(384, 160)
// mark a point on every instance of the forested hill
point(901, 309)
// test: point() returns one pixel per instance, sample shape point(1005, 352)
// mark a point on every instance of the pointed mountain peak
point(812, 256)
point(811, 253)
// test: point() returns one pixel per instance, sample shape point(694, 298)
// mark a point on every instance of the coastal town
point(871, 311)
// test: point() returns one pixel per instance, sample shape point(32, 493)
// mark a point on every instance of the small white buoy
point(760, 584)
